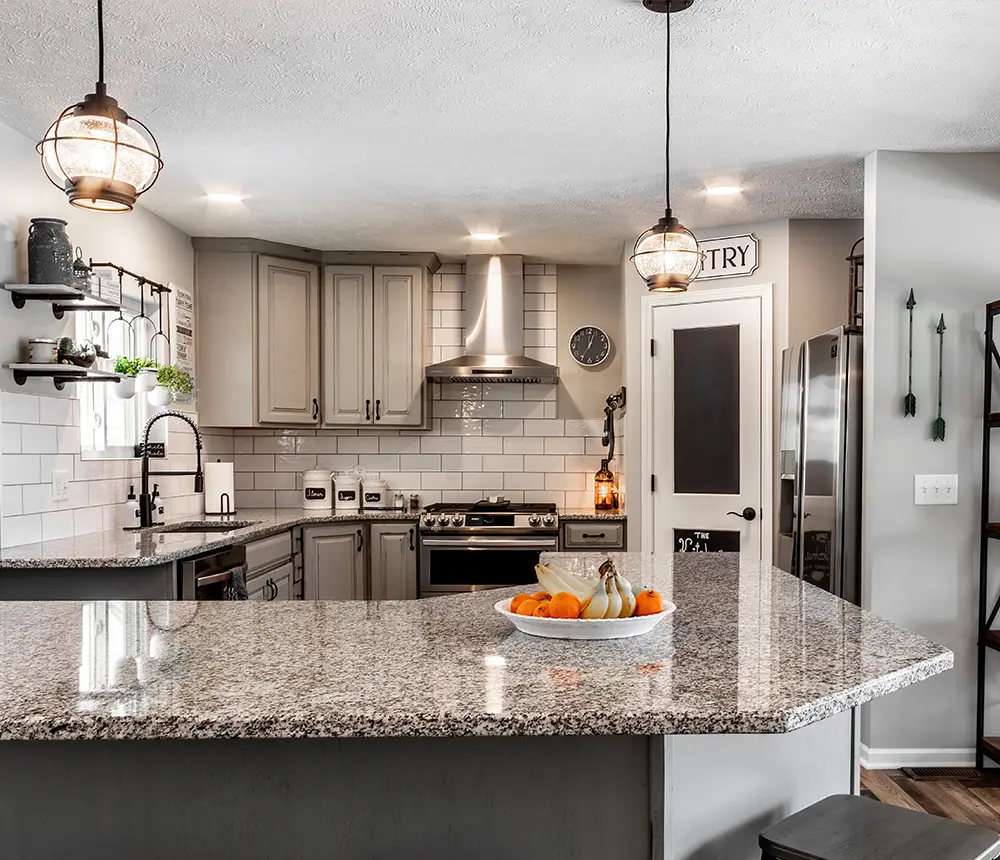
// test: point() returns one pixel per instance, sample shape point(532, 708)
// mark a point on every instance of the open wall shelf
point(61, 297)
point(60, 374)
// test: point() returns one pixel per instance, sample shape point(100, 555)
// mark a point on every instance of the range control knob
point(548, 519)
point(534, 520)
point(430, 519)
point(444, 519)
point(456, 520)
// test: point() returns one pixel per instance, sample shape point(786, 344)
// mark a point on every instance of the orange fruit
point(542, 610)
point(541, 595)
point(648, 603)
point(527, 607)
point(565, 605)
point(517, 600)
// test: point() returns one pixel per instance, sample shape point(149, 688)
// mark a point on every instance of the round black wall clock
point(589, 345)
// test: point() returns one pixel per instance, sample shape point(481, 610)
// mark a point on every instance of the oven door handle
point(212, 578)
point(497, 542)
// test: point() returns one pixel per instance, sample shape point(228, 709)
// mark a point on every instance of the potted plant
point(125, 389)
point(146, 369)
point(172, 383)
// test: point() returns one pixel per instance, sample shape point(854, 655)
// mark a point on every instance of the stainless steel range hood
point(494, 327)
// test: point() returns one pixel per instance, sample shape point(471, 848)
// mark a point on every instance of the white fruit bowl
point(583, 628)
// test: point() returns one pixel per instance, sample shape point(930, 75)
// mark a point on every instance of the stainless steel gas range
point(493, 543)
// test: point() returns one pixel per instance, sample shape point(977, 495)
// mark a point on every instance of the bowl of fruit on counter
point(567, 606)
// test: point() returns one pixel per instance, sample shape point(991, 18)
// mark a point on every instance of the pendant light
point(100, 156)
point(667, 255)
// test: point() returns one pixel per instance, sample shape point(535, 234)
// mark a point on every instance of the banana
point(578, 583)
point(614, 598)
point(552, 582)
point(597, 606)
point(628, 598)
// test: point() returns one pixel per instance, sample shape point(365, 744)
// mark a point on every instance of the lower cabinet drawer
point(264, 553)
point(594, 534)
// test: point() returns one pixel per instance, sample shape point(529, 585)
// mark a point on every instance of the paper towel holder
point(225, 503)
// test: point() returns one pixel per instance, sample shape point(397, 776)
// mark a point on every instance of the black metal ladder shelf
point(989, 639)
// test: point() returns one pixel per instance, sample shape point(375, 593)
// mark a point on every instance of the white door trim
point(649, 303)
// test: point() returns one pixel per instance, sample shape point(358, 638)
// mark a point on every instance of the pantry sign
point(728, 257)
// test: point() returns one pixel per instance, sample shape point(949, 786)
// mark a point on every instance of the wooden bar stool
point(845, 827)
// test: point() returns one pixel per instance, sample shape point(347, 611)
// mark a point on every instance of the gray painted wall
point(588, 295)
point(920, 563)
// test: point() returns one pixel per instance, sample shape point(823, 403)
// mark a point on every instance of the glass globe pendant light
point(100, 156)
point(667, 255)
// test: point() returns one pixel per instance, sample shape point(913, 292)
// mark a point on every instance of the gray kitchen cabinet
point(394, 561)
point(334, 562)
point(373, 346)
point(288, 349)
point(594, 535)
point(276, 584)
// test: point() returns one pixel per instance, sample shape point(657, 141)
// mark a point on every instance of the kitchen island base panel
point(684, 797)
point(154, 582)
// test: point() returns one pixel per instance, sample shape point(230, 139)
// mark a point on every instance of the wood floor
point(974, 801)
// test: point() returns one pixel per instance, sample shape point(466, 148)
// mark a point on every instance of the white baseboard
point(891, 759)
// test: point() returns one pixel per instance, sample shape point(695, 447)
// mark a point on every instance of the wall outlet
point(935, 489)
point(60, 485)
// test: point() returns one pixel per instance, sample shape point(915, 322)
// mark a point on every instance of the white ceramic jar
point(347, 491)
point(317, 490)
point(373, 494)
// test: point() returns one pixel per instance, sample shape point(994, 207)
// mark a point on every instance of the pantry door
point(707, 423)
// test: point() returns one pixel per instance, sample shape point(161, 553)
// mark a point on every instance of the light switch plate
point(935, 489)
point(60, 485)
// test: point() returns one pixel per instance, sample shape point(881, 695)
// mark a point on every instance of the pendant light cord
point(666, 111)
point(100, 42)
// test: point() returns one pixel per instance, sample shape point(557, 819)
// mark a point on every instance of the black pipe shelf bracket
point(62, 298)
point(60, 374)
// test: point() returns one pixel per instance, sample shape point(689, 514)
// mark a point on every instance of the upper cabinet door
point(399, 346)
point(348, 398)
point(287, 341)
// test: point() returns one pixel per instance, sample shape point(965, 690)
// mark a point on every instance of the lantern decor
point(605, 489)
point(667, 255)
point(96, 153)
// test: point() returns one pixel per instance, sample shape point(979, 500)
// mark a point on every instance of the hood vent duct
point(494, 327)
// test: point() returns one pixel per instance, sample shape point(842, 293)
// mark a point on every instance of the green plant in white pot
point(145, 379)
point(172, 383)
point(127, 369)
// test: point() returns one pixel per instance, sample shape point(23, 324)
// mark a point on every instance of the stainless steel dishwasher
point(217, 575)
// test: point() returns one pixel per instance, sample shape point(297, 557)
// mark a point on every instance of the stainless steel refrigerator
point(819, 463)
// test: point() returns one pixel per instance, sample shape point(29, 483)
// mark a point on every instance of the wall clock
point(589, 345)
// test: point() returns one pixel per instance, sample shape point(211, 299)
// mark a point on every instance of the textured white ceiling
point(403, 124)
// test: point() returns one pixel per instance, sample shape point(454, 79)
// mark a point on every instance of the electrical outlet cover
point(60, 485)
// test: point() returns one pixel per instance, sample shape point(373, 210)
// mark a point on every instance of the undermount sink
point(196, 527)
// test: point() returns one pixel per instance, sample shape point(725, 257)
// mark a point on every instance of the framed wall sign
point(729, 257)
point(706, 540)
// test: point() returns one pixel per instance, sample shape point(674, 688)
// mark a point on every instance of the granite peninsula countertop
point(749, 650)
point(115, 548)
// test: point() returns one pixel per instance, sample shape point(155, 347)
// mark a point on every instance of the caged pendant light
point(96, 153)
point(667, 255)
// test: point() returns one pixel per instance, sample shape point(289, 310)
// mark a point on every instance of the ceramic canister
point(374, 494)
point(50, 252)
point(317, 490)
point(347, 491)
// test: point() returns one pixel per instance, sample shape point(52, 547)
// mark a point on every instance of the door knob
point(749, 514)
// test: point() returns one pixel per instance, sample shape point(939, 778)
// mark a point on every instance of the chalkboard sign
point(706, 540)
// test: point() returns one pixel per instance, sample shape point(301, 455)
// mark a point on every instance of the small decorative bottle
point(605, 491)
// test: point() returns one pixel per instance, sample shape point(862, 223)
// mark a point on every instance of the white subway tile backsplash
point(260, 499)
point(446, 336)
point(102, 492)
point(544, 427)
point(450, 409)
point(274, 481)
point(86, 520)
point(503, 391)
point(357, 445)
point(523, 481)
point(446, 301)
point(584, 426)
point(294, 462)
point(540, 391)
point(40, 440)
point(288, 499)
point(462, 462)
point(462, 427)
point(461, 391)
point(420, 462)
point(564, 445)
point(62, 462)
point(336, 462)
point(503, 426)
point(21, 468)
point(67, 440)
point(443, 444)
point(540, 283)
point(400, 445)
point(57, 524)
point(253, 462)
point(580, 499)
point(10, 439)
point(245, 480)
point(539, 319)
point(19, 530)
point(534, 337)
point(524, 409)
point(486, 481)
point(453, 283)
point(10, 500)
point(503, 462)
point(544, 353)
point(596, 447)
point(315, 445)
point(381, 462)
point(587, 464)
point(243, 444)
point(55, 410)
point(523, 445)
point(481, 444)
point(37, 498)
point(565, 481)
point(543, 463)
point(86, 470)
point(78, 495)
point(534, 269)
point(547, 496)
point(19, 408)
point(441, 481)
point(274, 444)
point(450, 319)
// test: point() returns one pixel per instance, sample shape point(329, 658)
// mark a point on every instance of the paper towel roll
point(220, 488)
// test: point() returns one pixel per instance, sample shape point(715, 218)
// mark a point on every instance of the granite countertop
point(120, 549)
point(750, 649)
point(574, 514)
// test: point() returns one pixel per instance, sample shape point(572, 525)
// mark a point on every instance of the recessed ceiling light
point(224, 197)
point(484, 237)
point(723, 190)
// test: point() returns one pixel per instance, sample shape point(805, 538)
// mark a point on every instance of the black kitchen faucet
point(147, 500)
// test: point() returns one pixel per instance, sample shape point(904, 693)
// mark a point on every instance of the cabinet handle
point(594, 537)
point(412, 547)
point(361, 540)
point(315, 409)
point(378, 410)
point(269, 584)
point(368, 410)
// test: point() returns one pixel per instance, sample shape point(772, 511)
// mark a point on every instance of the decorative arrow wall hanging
point(909, 401)
point(937, 428)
